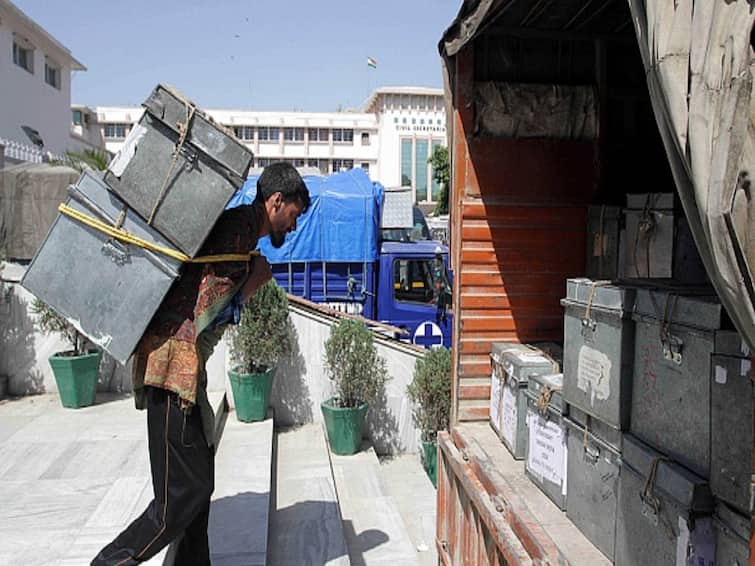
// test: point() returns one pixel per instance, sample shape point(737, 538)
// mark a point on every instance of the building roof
point(370, 105)
point(34, 28)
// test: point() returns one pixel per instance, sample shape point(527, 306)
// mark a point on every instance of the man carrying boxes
point(170, 378)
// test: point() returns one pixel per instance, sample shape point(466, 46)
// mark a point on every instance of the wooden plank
point(483, 510)
point(473, 391)
point(527, 529)
point(324, 309)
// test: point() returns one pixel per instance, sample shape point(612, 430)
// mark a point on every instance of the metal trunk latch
point(588, 326)
point(591, 454)
point(672, 348)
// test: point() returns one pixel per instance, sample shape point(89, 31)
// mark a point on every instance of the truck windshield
point(420, 280)
point(420, 231)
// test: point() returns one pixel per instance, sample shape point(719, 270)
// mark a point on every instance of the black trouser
point(182, 478)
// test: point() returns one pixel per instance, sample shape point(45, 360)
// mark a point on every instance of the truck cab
point(414, 291)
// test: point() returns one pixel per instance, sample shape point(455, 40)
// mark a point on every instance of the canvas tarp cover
point(698, 59)
point(29, 197)
point(341, 225)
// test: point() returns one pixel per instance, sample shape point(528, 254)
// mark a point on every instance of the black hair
point(283, 178)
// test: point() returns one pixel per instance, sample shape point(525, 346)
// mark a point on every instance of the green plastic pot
point(251, 394)
point(76, 378)
point(344, 426)
point(430, 460)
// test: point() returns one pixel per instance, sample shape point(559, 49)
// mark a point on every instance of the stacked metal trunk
point(167, 186)
point(598, 355)
point(545, 450)
point(518, 368)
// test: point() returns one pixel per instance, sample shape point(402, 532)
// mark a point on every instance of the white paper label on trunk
point(508, 415)
point(721, 374)
point(495, 400)
point(123, 157)
point(547, 449)
point(745, 368)
point(594, 373)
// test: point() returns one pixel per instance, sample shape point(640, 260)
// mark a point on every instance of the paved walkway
point(70, 480)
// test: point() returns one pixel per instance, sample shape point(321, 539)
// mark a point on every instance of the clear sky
point(306, 55)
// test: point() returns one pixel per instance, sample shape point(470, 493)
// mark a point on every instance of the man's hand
point(260, 274)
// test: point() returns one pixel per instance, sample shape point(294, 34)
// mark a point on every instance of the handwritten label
point(495, 401)
point(509, 416)
point(547, 449)
point(594, 374)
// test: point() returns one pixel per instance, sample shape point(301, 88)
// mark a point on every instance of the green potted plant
point(359, 375)
point(75, 370)
point(264, 334)
point(430, 391)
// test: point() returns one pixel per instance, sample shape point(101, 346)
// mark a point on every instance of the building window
point(406, 163)
point(323, 166)
point(52, 73)
point(348, 163)
point(293, 134)
point(420, 170)
point(263, 162)
point(395, 120)
point(312, 163)
point(435, 186)
point(337, 165)
point(365, 165)
point(23, 56)
point(268, 134)
point(343, 135)
point(318, 135)
point(299, 162)
point(244, 132)
point(77, 117)
point(365, 138)
point(115, 131)
point(403, 121)
point(274, 134)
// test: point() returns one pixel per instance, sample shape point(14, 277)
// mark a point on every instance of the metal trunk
point(671, 399)
point(732, 536)
point(545, 450)
point(664, 511)
point(598, 350)
point(106, 289)
point(519, 367)
point(183, 186)
point(731, 440)
point(592, 486)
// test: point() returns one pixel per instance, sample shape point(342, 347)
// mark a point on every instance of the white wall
point(299, 387)
point(26, 99)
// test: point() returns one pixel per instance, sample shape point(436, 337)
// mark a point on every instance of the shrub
point(352, 362)
point(49, 322)
point(430, 391)
point(264, 333)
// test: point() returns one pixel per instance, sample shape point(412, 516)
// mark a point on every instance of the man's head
point(284, 196)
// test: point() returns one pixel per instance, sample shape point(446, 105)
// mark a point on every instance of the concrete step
point(404, 479)
point(374, 528)
point(305, 526)
point(239, 512)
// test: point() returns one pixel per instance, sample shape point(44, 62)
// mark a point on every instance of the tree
point(439, 161)
point(96, 159)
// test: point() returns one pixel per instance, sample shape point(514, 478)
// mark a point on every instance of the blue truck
point(348, 253)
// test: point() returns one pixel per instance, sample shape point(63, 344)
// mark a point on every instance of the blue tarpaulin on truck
point(341, 225)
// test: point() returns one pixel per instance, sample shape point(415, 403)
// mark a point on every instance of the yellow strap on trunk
point(127, 237)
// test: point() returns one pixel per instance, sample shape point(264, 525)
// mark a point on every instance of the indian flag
point(371, 62)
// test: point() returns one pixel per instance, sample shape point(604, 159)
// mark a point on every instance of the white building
point(392, 139)
point(411, 122)
point(35, 84)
